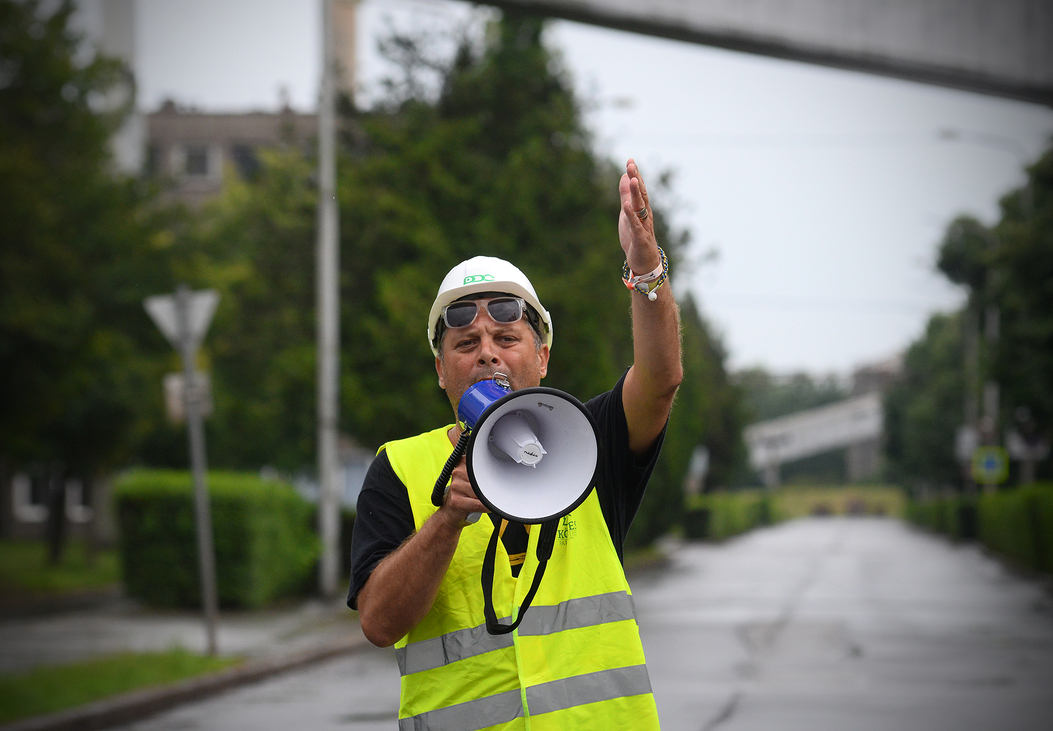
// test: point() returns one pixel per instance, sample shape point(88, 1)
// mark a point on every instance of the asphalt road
point(816, 625)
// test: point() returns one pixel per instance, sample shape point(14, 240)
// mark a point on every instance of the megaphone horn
point(531, 454)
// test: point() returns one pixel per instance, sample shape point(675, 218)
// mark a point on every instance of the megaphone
point(510, 467)
point(531, 457)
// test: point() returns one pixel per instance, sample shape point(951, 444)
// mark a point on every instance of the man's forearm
point(657, 368)
point(656, 342)
point(403, 587)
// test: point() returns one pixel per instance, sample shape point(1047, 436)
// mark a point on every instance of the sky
point(815, 198)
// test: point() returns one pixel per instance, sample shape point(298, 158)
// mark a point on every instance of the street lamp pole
point(328, 266)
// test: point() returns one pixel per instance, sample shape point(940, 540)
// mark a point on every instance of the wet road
point(835, 624)
point(815, 625)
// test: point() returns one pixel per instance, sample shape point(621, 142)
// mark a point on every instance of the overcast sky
point(823, 192)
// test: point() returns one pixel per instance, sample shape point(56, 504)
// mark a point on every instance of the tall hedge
point(1019, 524)
point(265, 546)
point(1016, 523)
point(720, 515)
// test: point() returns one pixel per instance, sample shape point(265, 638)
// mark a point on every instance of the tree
point(924, 408)
point(256, 246)
point(707, 413)
point(497, 164)
point(81, 247)
point(768, 396)
point(1006, 271)
point(1021, 273)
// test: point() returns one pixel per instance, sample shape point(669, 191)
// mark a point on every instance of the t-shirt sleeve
point(384, 520)
point(621, 475)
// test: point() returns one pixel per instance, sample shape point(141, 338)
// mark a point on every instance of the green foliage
point(51, 689)
point(707, 412)
point(768, 396)
point(924, 408)
point(965, 253)
point(264, 545)
point(729, 514)
point(798, 501)
point(1022, 273)
point(78, 358)
point(25, 569)
point(720, 515)
point(257, 249)
point(1015, 523)
point(1019, 525)
point(499, 164)
point(953, 515)
point(1007, 271)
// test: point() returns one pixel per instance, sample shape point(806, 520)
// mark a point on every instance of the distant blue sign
point(990, 465)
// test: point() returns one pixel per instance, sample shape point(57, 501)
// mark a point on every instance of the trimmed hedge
point(1019, 525)
point(954, 516)
point(265, 545)
point(1016, 523)
point(719, 515)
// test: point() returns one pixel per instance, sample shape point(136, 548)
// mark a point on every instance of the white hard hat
point(485, 274)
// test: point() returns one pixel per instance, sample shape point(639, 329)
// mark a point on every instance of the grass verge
point(50, 689)
point(798, 501)
point(25, 570)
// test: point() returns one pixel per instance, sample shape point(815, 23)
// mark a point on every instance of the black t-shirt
point(385, 518)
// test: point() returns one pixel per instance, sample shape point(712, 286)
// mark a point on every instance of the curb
point(140, 704)
point(36, 606)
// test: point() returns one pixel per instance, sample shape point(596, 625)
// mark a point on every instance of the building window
point(153, 160)
point(78, 502)
point(196, 163)
point(246, 161)
point(29, 495)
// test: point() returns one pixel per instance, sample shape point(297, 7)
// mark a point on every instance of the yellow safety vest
point(575, 662)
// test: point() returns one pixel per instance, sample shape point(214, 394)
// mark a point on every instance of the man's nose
point(487, 351)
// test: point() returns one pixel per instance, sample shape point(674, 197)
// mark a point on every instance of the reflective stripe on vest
point(572, 614)
point(556, 695)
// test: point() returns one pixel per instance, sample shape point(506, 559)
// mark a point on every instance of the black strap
point(439, 491)
point(545, 542)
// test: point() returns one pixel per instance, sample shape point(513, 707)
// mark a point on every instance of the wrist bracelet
point(647, 283)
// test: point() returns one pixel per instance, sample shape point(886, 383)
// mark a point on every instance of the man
point(576, 661)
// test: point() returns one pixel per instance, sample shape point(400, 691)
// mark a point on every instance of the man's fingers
point(633, 171)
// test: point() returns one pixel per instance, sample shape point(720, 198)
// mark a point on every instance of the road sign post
point(184, 318)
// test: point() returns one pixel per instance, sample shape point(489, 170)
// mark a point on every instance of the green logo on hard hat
point(475, 278)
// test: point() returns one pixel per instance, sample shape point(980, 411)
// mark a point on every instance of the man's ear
point(542, 355)
point(438, 371)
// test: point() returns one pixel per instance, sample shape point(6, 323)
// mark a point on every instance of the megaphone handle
point(439, 492)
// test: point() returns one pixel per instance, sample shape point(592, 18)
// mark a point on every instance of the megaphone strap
point(545, 543)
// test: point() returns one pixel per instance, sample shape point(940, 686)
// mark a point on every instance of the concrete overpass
point(998, 47)
point(855, 423)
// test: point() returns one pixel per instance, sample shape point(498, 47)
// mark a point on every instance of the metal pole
point(328, 316)
point(196, 433)
point(972, 388)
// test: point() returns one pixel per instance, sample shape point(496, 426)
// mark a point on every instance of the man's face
point(476, 352)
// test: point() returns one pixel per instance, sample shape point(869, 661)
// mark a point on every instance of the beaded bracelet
point(647, 283)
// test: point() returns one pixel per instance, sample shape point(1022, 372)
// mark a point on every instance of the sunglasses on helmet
point(502, 309)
